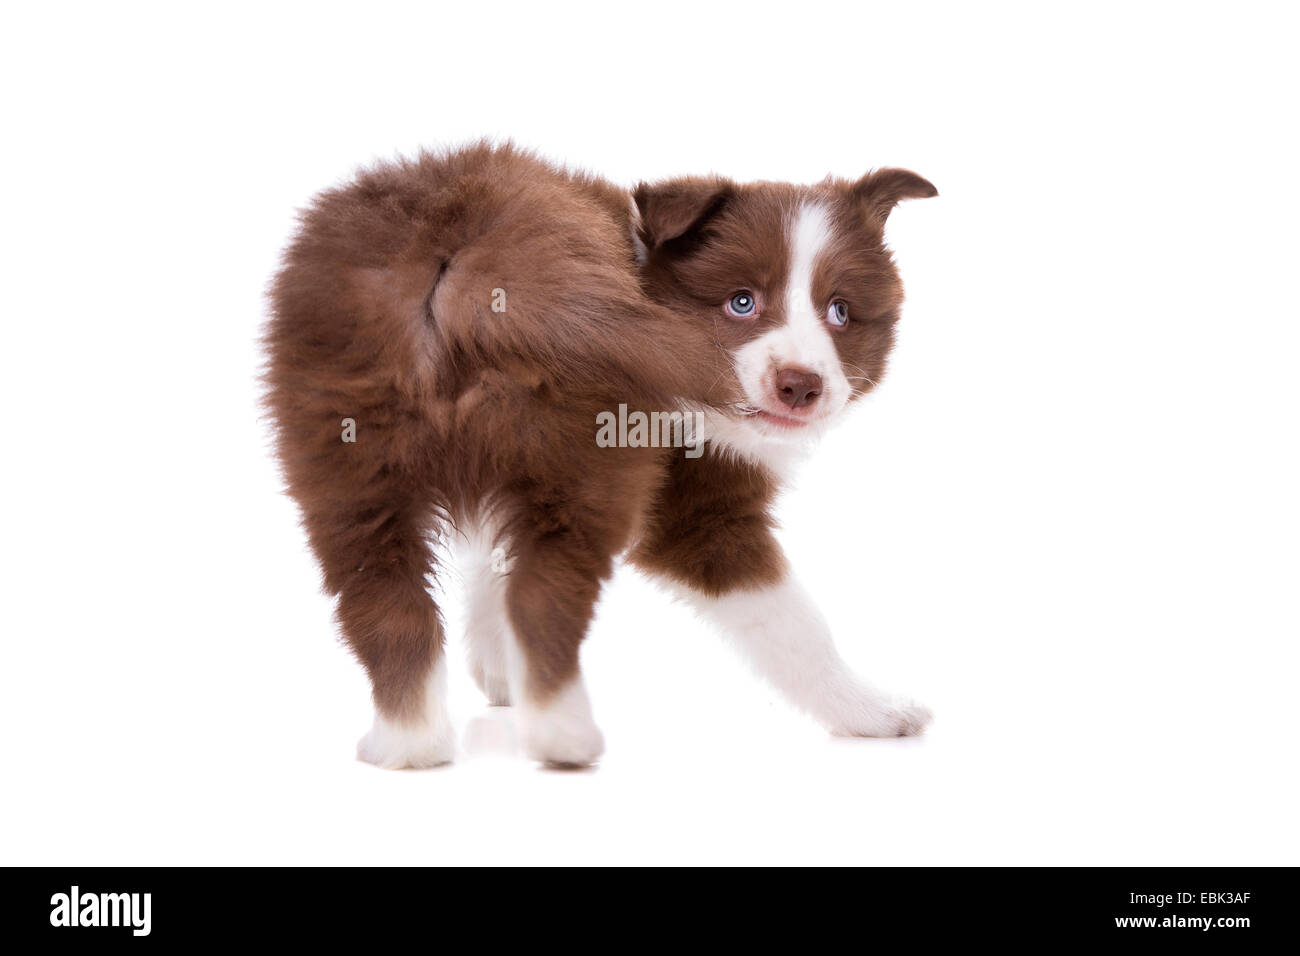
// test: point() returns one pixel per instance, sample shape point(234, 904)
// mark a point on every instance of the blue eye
point(837, 313)
point(742, 305)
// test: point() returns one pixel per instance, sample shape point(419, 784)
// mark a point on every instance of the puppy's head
point(795, 281)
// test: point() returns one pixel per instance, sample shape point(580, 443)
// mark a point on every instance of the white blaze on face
point(804, 340)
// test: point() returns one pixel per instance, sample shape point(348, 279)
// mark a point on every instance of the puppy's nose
point(796, 387)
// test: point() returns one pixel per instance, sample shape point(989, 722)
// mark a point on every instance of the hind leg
point(550, 597)
point(487, 628)
point(377, 560)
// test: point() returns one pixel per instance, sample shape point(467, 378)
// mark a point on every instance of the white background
point(1067, 522)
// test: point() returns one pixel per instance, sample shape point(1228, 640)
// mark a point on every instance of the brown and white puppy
point(448, 332)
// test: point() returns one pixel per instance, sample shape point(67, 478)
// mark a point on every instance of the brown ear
point(882, 190)
point(674, 207)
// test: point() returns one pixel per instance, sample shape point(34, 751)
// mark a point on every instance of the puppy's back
point(419, 272)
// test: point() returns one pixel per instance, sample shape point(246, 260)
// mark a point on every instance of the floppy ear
point(885, 188)
point(672, 208)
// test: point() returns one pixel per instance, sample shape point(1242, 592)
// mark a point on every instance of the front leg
point(779, 630)
point(710, 537)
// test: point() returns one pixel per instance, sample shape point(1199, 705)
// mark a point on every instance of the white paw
point(562, 733)
point(395, 746)
point(563, 743)
point(884, 719)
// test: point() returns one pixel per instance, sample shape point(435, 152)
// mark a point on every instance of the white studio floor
point(703, 766)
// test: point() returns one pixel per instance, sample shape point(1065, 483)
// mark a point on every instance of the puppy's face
point(795, 281)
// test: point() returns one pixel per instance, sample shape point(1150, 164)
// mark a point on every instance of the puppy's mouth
point(784, 425)
point(777, 420)
point(780, 421)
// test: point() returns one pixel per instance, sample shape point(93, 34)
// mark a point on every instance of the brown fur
point(382, 314)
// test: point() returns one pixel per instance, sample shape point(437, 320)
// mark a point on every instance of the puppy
point(450, 336)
